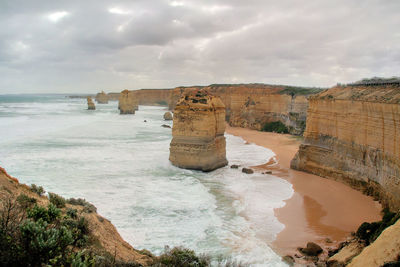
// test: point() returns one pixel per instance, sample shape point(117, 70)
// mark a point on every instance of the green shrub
point(87, 206)
point(48, 215)
point(37, 189)
point(275, 126)
point(57, 200)
point(182, 257)
point(25, 201)
point(72, 213)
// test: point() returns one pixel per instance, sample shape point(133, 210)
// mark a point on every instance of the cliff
point(254, 105)
point(128, 102)
point(105, 239)
point(102, 98)
point(198, 140)
point(353, 135)
point(90, 103)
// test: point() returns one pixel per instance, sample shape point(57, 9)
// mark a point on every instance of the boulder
point(168, 116)
point(247, 170)
point(312, 249)
point(234, 166)
point(165, 126)
point(288, 259)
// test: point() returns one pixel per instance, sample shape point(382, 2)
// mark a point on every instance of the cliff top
point(384, 93)
point(200, 100)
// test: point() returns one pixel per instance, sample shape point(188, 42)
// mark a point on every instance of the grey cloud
point(158, 44)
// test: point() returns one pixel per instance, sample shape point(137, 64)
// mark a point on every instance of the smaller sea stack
point(102, 98)
point(128, 102)
point(90, 103)
point(198, 140)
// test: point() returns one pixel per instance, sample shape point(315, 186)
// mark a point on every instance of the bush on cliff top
point(275, 126)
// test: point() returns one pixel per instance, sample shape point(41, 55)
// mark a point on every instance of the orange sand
point(319, 208)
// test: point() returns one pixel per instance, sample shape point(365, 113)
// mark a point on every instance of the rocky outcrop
point(168, 116)
point(128, 102)
point(102, 98)
point(385, 249)
point(198, 132)
point(254, 105)
point(353, 135)
point(90, 103)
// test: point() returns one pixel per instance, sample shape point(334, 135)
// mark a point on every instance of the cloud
point(85, 46)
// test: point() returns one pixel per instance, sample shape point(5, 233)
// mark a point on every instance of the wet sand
point(319, 208)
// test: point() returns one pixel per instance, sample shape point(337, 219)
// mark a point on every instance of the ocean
point(120, 164)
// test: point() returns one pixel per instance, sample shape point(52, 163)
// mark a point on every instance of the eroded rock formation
point(102, 98)
point(90, 103)
point(198, 132)
point(254, 105)
point(128, 102)
point(353, 135)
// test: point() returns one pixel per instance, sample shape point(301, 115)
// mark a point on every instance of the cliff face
point(198, 132)
point(128, 102)
point(153, 96)
point(90, 103)
point(353, 135)
point(253, 105)
point(102, 98)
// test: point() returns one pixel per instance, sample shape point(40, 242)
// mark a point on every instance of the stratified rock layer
point(353, 135)
point(128, 102)
point(102, 98)
point(198, 132)
point(254, 105)
point(90, 103)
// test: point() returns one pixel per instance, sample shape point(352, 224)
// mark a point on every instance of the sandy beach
point(319, 208)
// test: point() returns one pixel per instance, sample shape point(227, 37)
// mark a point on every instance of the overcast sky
point(92, 45)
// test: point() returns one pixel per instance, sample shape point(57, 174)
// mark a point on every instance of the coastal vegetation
point(275, 126)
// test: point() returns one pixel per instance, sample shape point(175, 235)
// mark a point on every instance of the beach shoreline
point(320, 210)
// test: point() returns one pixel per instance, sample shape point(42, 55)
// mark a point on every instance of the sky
point(69, 46)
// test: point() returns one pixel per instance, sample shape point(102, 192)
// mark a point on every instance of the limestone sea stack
point(102, 98)
point(128, 102)
point(90, 103)
point(198, 140)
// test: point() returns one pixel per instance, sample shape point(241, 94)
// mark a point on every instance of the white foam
point(120, 163)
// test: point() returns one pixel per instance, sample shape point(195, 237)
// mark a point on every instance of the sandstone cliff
point(102, 98)
point(198, 132)
point(254, 105)
point(353, 135)
point(128, 102)
point(90, 103)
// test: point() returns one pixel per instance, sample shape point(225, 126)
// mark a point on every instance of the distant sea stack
point(102, 98)
point(353, 135)
point(198, 132)
point(128, 102)
point(90, 103)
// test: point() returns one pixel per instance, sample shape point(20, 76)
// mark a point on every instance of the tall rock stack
point(353, 135)
point(198, 132)
point(102, 98)
point(128, 102)
point(90, 103)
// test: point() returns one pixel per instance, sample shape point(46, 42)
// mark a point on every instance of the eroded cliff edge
point(353, 135)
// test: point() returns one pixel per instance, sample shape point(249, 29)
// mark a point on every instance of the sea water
point(120, 164)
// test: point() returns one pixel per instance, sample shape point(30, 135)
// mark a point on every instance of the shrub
point(37, 189)
point(57, 200)
point(72, 213)
point(87, 206)
point(25, 201)
point(275, 126)
point(182, 257)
